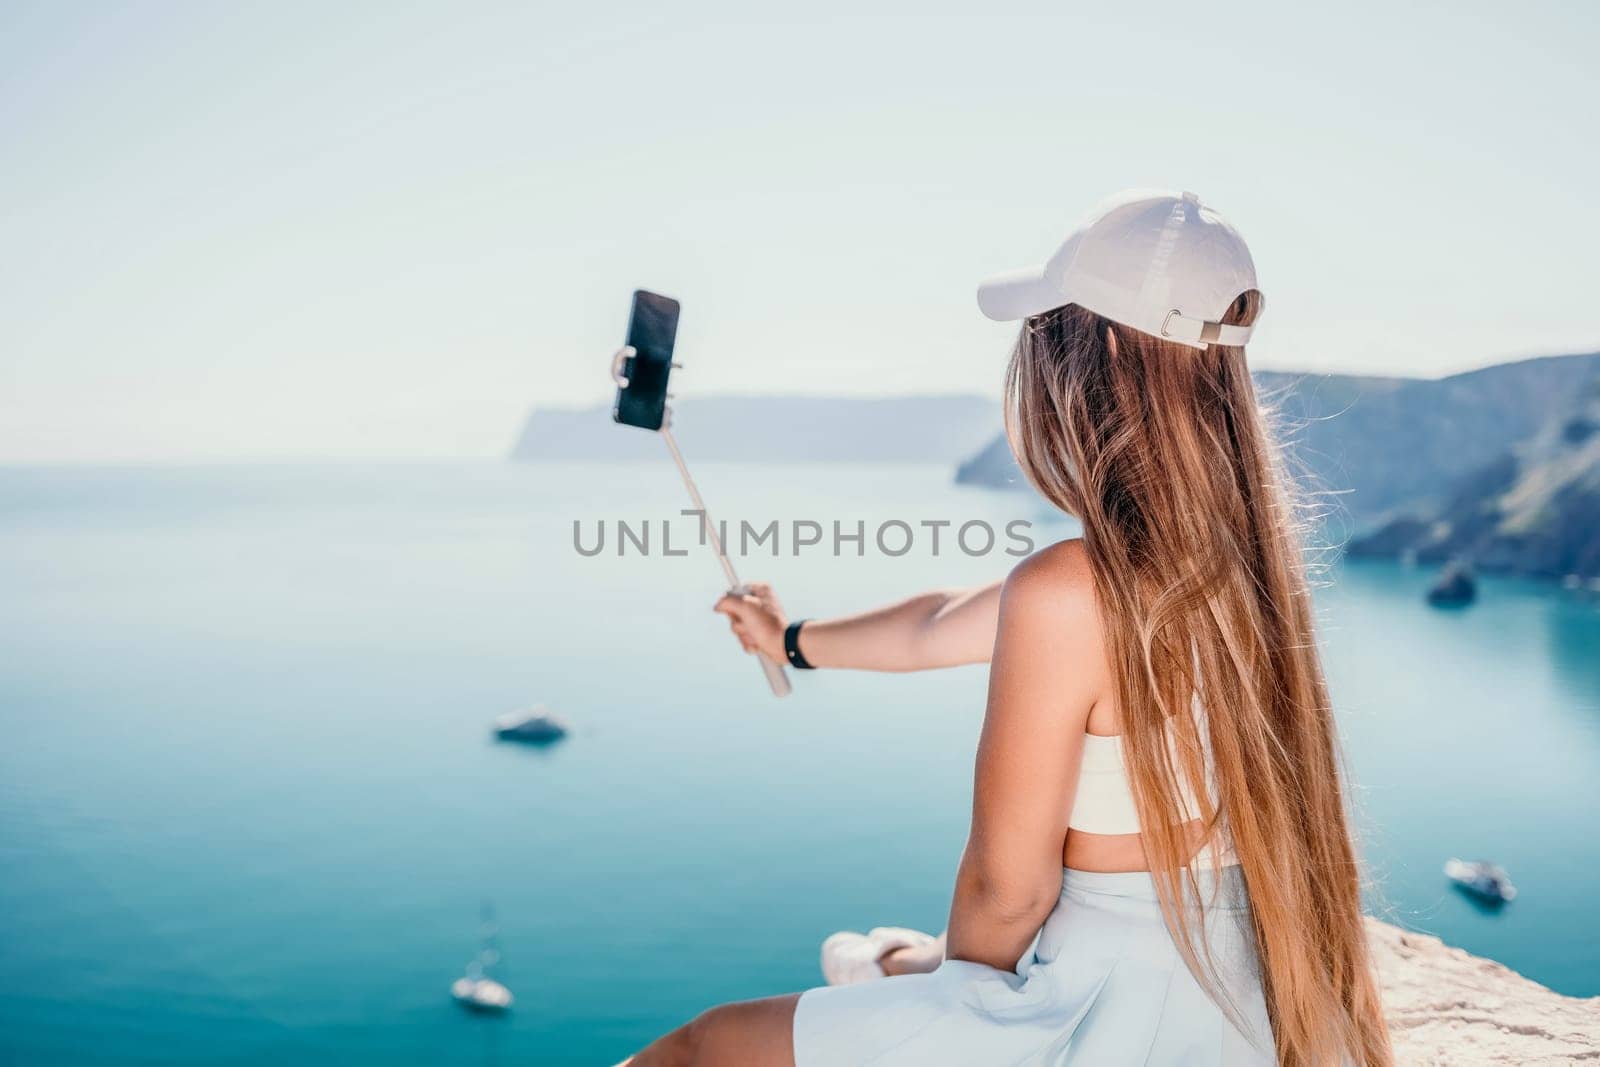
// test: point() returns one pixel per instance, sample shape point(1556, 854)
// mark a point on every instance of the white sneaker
point(849, 957)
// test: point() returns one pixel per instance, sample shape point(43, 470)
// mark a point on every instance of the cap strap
point(1180, 327)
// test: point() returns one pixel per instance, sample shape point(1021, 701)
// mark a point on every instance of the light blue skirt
point(1104, 985)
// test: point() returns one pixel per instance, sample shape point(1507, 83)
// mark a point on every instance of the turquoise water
point(249, 807)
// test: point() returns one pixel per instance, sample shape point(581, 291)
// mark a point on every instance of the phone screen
point(652, 329)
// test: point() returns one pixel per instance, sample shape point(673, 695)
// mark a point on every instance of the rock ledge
point(1446, 1006)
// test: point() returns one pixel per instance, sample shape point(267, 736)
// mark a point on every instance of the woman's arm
point(935, 629)
point(1047, 673)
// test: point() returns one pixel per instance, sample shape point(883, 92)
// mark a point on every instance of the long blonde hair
point(1162, 452)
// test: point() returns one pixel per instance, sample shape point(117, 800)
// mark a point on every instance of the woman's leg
point(751, 1033)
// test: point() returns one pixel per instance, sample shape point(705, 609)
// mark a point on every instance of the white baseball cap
point(1159, 262)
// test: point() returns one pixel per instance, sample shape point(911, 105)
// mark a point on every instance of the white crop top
point(1104, 804)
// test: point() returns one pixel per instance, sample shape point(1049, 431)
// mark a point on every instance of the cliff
point(1533, 510)
point(1448, 1007)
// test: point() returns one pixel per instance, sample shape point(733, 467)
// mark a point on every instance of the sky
point(263, 231)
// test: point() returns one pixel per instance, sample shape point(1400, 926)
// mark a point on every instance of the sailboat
point(475, 990)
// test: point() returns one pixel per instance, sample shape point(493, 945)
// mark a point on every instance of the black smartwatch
point(791, 646)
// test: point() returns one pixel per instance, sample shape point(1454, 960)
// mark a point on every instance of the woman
point(1159, 867)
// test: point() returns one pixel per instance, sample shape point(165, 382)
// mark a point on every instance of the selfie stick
point(777, 677)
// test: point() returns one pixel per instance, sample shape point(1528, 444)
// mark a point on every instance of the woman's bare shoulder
point(1054, 585)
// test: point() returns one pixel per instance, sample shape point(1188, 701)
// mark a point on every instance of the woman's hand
point(917, 959)
point(757, 620)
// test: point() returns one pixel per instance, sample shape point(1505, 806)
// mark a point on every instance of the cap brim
point(1018, 294)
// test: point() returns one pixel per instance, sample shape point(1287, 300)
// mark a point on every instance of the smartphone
point(652, 329)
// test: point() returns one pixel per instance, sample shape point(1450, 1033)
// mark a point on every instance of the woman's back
point(1103, 824)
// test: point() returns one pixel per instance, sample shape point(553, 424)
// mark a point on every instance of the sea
point(252, 810)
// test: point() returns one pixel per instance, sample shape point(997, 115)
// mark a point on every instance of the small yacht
point(475, 990)
point(1482, 879)
point(477, 993)
point(536, 726)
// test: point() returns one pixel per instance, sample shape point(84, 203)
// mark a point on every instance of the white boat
point(1482, 879)
point(475, 990)
point(481, 994)
point(536, 726)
